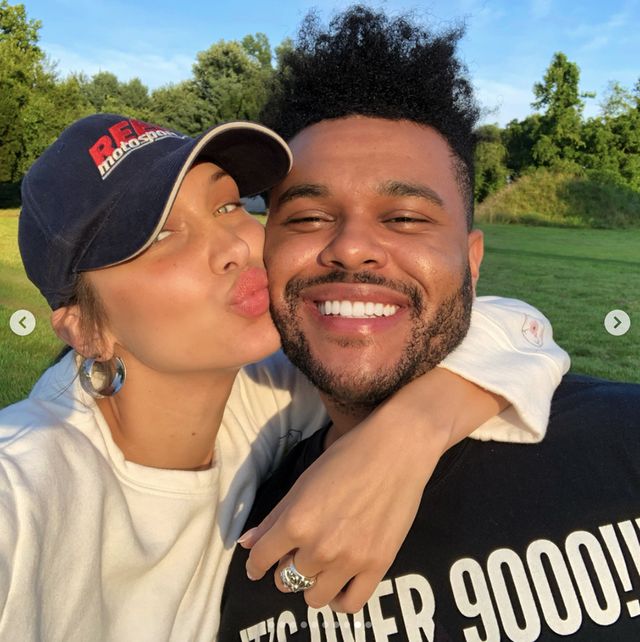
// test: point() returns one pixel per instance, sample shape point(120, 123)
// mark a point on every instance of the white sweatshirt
point(93, 547)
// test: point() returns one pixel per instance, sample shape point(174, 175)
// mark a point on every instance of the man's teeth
point(357, 309)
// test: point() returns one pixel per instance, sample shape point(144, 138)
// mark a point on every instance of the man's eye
point(407, 220)
point(308, 217)
point(227, 208)
point(305, 219)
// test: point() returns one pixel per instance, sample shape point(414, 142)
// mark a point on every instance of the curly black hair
point(368, 64)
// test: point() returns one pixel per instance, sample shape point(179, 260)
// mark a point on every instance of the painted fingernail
point(245, 537)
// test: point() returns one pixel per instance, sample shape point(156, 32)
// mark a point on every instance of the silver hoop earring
point(102, 378)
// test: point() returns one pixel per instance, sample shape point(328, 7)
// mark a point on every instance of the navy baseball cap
point(100, 194)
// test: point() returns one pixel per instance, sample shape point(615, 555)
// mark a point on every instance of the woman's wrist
point(428, 416)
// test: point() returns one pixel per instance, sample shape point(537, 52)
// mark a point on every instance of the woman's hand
point(347, 515)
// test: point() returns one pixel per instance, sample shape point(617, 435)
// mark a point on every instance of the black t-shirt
point(511, 542)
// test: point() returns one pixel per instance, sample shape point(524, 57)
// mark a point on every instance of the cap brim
point(254, 156)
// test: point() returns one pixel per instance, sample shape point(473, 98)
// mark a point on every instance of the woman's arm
point(349, 512)
point(370, 482)
point(509, 350)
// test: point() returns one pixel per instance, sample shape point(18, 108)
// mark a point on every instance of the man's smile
point(357, 303)
point(356, 309)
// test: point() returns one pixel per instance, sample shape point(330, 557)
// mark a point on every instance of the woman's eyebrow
point(300, 191)
point(403, 188)
point(216, 176)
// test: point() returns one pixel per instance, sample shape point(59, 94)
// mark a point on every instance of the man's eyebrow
point(300, 191)
point(402, 188)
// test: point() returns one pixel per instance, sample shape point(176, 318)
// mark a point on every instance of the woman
point(129, 470)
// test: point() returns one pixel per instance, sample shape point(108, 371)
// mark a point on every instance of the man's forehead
point(369, 128)
point(368, 145)
point(372, 151)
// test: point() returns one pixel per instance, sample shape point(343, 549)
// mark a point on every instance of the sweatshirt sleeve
point(8, 538)
point(509, 350)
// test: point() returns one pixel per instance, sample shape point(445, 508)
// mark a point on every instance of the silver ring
point(294, 580)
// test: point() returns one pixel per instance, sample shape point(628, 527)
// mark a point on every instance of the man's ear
point(66, 323)
point(475, 252)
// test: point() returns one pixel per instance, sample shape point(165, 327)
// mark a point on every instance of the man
point(511, 542)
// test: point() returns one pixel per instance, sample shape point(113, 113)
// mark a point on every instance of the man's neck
point(343, 418)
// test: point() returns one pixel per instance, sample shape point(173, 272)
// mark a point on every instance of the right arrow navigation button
point(617, 323)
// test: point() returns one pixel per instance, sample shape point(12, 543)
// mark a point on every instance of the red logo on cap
point(122, 139)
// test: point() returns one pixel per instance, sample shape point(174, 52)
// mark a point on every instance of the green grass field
point(575, 276)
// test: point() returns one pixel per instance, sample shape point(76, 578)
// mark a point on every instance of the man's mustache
point(296, 285)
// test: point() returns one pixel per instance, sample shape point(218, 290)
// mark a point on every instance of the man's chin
point(352, 382)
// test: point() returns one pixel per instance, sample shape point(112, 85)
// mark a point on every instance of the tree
point(233, 81)
point(617, 100)
point(258, 48)
point(612, 140)
point(283, 49)
point(613, 147)
point(181, 108)
point(21, 71)
point(105, 93)
point(519, 139)
point(49, 110)
point(560, 133)
point(34, 105)
point(134, 95)
point(491, 172)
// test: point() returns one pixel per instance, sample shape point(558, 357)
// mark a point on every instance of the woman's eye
point(162, 235)
point(228, 207)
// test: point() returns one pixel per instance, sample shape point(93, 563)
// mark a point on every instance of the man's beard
point(430, 341)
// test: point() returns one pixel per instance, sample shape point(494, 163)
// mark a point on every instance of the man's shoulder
point(574, 383)
point(595, 393)
point(589, 405)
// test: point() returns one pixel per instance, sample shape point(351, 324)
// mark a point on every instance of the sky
point(507, 46)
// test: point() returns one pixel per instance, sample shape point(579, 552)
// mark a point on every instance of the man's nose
point(356, 245)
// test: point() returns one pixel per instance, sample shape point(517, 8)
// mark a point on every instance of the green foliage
point(281, 52)
point(549, 197)
point(519, 139)
point(21, 73)
point(559, 135)
point(230, 82)
point(9, 195)
point(180, 107)
point(105, 93)
point(34, 105)
point(258, 48)
point(617, 100)
point(595, 178)
point(612, 141)
point(490, 155)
